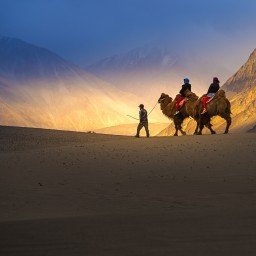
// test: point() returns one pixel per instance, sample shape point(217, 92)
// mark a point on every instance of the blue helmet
point(186, 80)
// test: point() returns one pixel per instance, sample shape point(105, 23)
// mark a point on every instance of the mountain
point(40, 89)
point(148, 57)
point(23, 62)
point(149, 70)
point(241, 91)
point(244, 78)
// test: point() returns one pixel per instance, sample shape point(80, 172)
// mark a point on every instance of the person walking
point(143, 121)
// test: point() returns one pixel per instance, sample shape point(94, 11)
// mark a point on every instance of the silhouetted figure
point(143, 121)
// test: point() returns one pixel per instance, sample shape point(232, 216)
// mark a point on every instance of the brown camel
point(218, 106)
point(168, 107)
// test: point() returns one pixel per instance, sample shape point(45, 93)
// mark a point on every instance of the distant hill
point(149, 70)
point(40, 89)
point(23, 62)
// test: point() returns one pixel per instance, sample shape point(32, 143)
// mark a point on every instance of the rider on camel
point(180, 99)
point(213, 89)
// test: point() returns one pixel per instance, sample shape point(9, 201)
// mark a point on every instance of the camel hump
point(190, 95)
point(220, 94)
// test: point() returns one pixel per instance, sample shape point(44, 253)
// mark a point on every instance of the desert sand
point(67, 193)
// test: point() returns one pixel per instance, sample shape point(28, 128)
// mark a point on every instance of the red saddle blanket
point(205, 99)
point(179, 102)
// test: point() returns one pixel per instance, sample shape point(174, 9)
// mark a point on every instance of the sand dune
point(67, 193)
point(130, 129)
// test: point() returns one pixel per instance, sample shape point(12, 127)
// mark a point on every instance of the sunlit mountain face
point(241, 91)
point(156, 69)
point(245, 78)
point(40, 89)
point(147, 72)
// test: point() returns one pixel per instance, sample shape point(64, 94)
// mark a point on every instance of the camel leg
point(201, 127)
point(229, 121)
point(209, 126)
point(197, 127)
point(182, 132)
point(205, 120)
point(176, 130)
point(177, 123)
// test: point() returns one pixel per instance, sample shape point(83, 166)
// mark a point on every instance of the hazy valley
point(40, 89)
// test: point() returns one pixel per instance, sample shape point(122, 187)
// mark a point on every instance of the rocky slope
point(245, 77)
point(241, 90)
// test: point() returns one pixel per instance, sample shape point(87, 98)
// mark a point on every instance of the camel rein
point(148, 113)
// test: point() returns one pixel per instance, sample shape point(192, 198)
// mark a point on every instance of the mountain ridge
point(151, 69)
point(64, 96)
point(241, 91)
point(157, 69)
point(22, 61)
point(245, 77)
point(38, 88)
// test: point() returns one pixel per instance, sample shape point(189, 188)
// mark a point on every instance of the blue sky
point(87, 30)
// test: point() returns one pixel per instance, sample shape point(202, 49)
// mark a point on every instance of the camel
point(168, 107)
point(218, 106)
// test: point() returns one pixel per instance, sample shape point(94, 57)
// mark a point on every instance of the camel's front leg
point(197, 127)
point(209, 126)
point(178, 122)
point(201, 127)
point(182, 132)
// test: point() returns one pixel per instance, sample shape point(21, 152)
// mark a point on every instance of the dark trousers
point(140, 126)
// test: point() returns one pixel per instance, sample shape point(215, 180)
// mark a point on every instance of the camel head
point(164, 98)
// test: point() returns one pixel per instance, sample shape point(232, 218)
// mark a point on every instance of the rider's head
point(186, 81)
point(216, 80)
